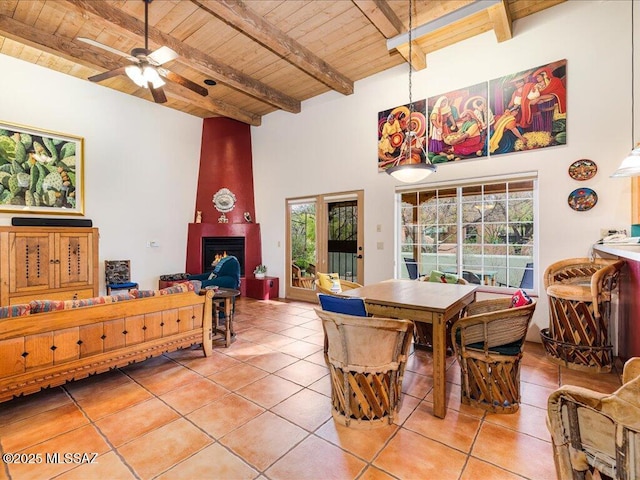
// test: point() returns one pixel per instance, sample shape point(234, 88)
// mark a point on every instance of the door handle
point(359, 256)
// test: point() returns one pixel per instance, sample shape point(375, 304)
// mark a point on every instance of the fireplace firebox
point(212, 246)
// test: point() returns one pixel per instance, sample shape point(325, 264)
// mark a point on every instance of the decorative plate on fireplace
point(224, 200)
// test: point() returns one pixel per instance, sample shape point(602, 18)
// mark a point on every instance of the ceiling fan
point(147, 70)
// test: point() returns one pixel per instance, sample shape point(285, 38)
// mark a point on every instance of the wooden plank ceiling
point(264, 55)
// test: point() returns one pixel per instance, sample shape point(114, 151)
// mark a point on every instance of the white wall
point(141, 162)
point(331, 145)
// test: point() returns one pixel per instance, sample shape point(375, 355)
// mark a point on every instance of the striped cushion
point(87, 302)
point(142, 293)
point(42, 306)
point(177, 288)
point(15, 310)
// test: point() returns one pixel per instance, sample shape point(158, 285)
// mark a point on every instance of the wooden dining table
point(423, 303)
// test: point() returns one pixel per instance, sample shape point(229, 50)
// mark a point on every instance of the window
point(483, 232)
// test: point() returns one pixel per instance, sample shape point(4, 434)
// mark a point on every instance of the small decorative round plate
point(224, 200)
point(583, 169)
point(582, 199)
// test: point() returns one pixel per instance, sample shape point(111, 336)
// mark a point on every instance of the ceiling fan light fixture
point(134, 72)
point(152, 76)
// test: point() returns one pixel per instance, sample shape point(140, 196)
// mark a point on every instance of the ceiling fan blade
point(109, 74)
point(108, 48)
point(185, 82)
point(158, 94)
point(161, 55)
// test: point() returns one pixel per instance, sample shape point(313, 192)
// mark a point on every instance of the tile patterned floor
point(261, 410)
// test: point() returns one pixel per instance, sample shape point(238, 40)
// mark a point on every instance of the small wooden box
point(262, 288)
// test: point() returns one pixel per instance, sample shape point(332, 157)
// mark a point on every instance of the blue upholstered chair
point(117, 275)
point(226, 274)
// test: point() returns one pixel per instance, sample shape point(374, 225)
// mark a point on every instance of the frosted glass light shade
point(134, 72)
point(630, 166)
point(412, 172)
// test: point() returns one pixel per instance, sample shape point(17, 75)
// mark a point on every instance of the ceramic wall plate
point(583, 169)
point(582, 199)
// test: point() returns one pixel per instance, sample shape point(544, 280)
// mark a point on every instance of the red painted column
point(225, 162)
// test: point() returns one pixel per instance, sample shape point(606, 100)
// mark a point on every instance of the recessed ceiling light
point(208, 81)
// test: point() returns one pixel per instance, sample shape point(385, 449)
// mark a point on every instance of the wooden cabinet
point(262, 288)
point(48, 263)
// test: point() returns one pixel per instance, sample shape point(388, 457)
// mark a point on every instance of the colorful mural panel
point(458, 124)
point(530, 109)
point(392, 128)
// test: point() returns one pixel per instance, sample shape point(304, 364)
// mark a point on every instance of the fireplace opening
point(212, 246)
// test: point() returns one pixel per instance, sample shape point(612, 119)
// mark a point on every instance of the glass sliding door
point(324, 234)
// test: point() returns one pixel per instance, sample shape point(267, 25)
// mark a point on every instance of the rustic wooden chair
point(579, 292)
point(597, 432)
point(488, 343)
point(366, 357)
point(424, 331)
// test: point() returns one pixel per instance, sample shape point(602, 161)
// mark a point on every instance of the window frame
point(458, 186)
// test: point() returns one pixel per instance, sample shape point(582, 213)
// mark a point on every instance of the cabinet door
point(39, 350)
point(12, 356)
point(75, 258)
point(31, 261)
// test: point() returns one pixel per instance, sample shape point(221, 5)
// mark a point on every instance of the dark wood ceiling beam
point(108, 15)
point(78, 52)
point(500, 17)
point(237, 15)
point(381, 16)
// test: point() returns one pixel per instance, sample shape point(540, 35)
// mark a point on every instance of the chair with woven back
point(117, 274)
point(366, 357)
point(488, 343)
point(579, 292)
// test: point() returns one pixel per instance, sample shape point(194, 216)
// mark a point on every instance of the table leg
point(228, 312)
point(439, 371)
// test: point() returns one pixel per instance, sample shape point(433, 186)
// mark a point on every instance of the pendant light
point(630, 166)
point(410, 172)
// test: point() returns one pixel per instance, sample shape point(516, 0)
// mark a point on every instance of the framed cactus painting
point(40, 171)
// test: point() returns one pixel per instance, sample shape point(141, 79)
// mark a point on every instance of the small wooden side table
point(223, 302)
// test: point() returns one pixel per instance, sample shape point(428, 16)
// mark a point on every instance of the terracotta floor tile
point(322, 386)
point(514, 451)
point(535, 395)
point(477, 469)
point(137, 420)
point(106, 466)
point(316, 459)
point(416, 385)
point(28, 406)
point(263, 440)
point(207, 366)
point(306, 408)
point(300, 349)
point(303, 373)
point(168, 379)
point(269, 391)
point(241, 350)
point(364, 443)
point(272, 361)
point(373, 473)
point(274, 340)
point(225, 415)
point(434, 461)
point(238, 377)
point(317, 358)
point(215, 462)
point(39, 428)
point(528, 419)
point(194, 395)
point(95, 384)
point(159, 450)
point(82, 440)
point(110, 400)
point(456, 430)
point(601, 382)
point(407, 405)
point(542, 373)
point(453, 401)
point(421, 364)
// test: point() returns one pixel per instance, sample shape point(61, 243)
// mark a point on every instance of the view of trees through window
point(303, 234)
point(484, 233)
